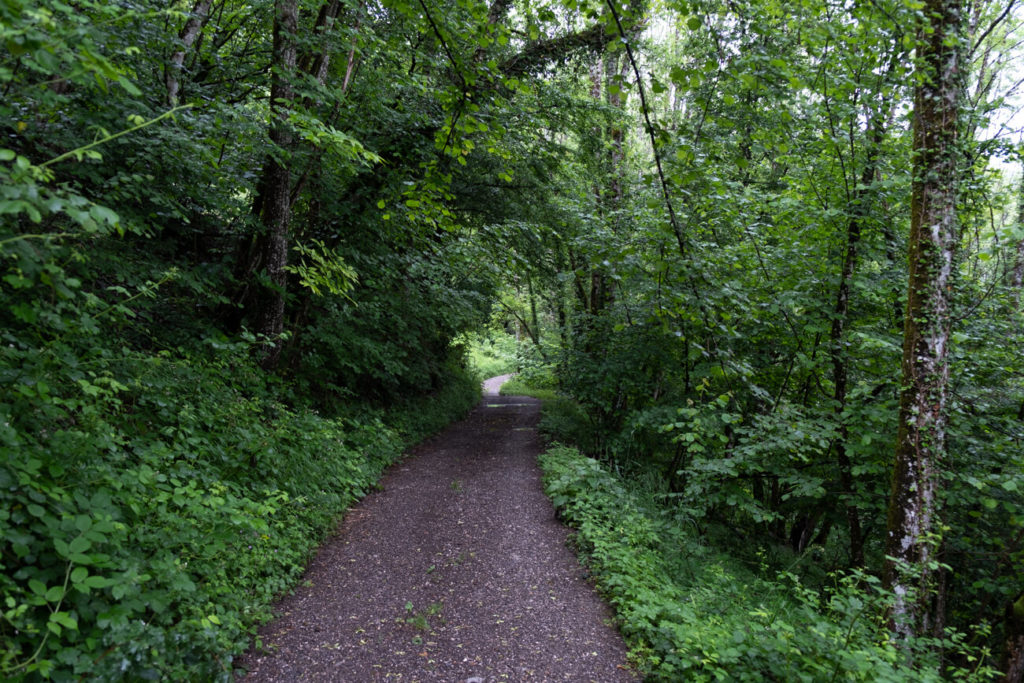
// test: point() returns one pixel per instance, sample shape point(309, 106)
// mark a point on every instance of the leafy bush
point(534, 369)
point(690, 613)
point(152, 510)
point(564, 420)
point(417, 418)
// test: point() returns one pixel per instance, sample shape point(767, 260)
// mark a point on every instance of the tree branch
point(539, 54)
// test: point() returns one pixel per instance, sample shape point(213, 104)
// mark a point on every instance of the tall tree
point(921, 440)
point(275, 186)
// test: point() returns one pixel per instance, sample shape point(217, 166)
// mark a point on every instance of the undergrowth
point(534, 376)
point(690, 612)
point(151, 509)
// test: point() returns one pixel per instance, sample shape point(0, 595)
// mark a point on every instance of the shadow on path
point(456, 571)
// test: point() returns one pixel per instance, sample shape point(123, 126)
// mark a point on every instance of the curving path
point(457, 570)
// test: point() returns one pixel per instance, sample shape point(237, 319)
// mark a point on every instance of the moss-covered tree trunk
point(912, 531)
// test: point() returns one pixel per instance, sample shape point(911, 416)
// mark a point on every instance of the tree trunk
point(533, 310)
point(1014, 666)
point(1017, 274)
point(932, 245)
point(275, 192)
point(186, 38)
point(840, 361)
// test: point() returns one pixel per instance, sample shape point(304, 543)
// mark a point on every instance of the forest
point(762, 260)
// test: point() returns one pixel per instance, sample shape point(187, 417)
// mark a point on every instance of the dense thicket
point(724, 294)
point(235, 236)
point(234, 253)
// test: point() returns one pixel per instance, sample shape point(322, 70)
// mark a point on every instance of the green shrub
point(534, 367)
point(565, 421)
point(690, 613)
point(419, 417)
point(152, 510)
point(517, 386)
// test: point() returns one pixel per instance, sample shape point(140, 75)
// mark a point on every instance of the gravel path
point(456, 571)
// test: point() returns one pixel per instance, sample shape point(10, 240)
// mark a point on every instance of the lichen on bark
point(911, 538)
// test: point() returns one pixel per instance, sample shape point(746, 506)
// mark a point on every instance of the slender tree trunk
point(533, 310)
point(1014, 626)
point(186, 38)
point(275, 199)
point(616, 70)
point(1017, 274)
point(316, 64)
point(840, 360)
point(911, 533)
point(596, 297)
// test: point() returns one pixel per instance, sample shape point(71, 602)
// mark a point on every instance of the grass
point(518, 387)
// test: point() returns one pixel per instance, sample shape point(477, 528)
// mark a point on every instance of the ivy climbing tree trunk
point(911, 533)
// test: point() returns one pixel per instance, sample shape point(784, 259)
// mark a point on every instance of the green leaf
point(95, 581)
point(79, 545)
point(65, 620)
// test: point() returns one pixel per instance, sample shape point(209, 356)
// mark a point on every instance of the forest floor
point(456, 570)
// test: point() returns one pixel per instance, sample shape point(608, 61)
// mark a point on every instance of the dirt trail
point(456, 571)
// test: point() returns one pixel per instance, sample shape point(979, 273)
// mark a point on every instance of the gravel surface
point(457, 570)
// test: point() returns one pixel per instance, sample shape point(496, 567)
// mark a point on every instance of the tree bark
point(275, 186)
point(932, 245)
point(840, 361)
point(1017, 274)
point(316, 64)
point(186, 38)
point(1014, 666)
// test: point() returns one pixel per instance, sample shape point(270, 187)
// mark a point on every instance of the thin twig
point(992, 26)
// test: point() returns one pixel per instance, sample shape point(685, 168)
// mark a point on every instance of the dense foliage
point(147, 538)
point(238, 238)
point(694, 613)
point(167, 460)
point(720, 285)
